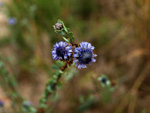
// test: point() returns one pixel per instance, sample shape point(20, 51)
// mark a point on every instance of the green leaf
point(59, 21)
point(68, 29)
point(65, 28)
point(70, 36)
point(43, 105)
point(48, 88)
point(67, 40)
point(33, 110)
point(53, 80)
point(60, 32)
point(55, 76)
point(55, 67)
point(60, 63)
point(56, 73)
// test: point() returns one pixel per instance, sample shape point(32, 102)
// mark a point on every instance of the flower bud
point(27, 104)
point(58, 26)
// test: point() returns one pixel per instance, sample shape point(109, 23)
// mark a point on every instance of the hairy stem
point(50, 89)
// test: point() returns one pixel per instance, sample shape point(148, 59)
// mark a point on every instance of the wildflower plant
point(107, 89)
point(66, 53)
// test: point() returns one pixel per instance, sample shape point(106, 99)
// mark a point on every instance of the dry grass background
point(125, 59)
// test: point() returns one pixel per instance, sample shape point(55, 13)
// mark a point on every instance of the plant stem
point(50, 89)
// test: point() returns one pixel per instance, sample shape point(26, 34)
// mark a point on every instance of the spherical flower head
point(61, 51)
point(83, 55)
point(58, 26)
point(12, 21)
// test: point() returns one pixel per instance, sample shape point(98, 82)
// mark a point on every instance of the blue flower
point(83, 55)
point(12, 21)
point(1, 103)
point(61, 51)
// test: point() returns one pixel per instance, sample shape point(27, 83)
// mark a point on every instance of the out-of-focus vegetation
point(120, 32)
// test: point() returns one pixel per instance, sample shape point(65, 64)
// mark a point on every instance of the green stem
point(50, 89)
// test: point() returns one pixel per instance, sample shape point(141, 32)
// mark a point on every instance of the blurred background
point(120, 32)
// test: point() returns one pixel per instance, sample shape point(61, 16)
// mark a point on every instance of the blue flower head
point(61, 51)
point(83, 55)
point(12, 21)
point(1, 103)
